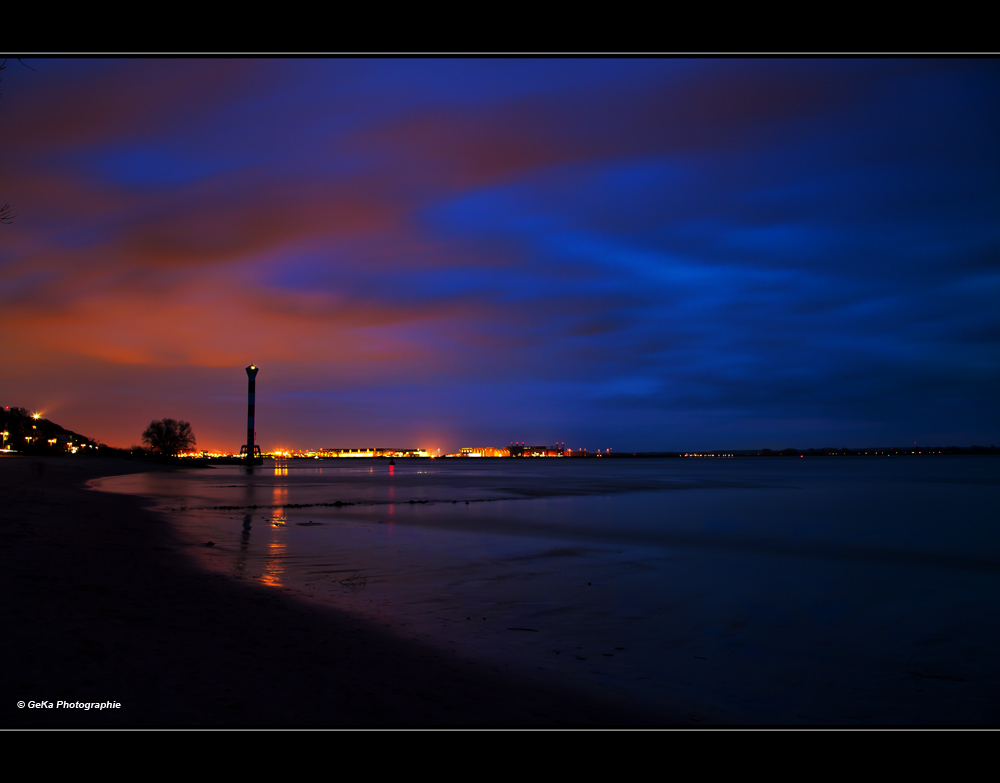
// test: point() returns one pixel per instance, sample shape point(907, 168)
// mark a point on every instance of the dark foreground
point(101, 604)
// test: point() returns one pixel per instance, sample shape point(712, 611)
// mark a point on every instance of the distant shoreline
point(880, 452)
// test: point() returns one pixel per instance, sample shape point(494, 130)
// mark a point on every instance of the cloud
point(589, 241)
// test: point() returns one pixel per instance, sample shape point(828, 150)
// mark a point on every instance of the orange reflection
point(279, 498)
point(274, 564)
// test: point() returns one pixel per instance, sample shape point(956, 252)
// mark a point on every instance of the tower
point(251, 376)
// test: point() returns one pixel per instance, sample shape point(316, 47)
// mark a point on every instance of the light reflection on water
point(274, 564)
point(637, 571)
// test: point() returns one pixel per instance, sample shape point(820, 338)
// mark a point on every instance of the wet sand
point(104, 605)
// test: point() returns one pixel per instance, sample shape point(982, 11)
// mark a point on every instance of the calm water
point(824, 590)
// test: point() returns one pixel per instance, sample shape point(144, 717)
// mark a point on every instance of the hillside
point(25, 433)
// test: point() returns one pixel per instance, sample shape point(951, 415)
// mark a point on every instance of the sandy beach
point(103, 605)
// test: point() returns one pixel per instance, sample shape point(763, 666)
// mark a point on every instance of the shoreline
point(106, 606)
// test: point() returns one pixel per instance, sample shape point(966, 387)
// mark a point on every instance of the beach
point(105, 606)
point(563, 593)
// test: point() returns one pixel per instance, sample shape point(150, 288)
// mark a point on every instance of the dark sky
point(642, 254)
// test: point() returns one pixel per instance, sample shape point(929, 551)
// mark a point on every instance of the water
point(782, 590)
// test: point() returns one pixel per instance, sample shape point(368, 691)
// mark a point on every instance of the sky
point(642, 254)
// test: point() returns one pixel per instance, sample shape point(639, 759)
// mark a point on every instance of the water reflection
point(274, 563)
point(243, 552)
point(244, 549)
point(279, 497)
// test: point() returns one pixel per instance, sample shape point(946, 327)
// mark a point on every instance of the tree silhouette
point(168, 436)
point(5, 213)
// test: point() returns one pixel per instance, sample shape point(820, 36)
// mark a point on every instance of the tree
point(168, 436)
point(5, 214)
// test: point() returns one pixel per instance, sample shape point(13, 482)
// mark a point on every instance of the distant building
point(514, 450)
point(520, 450)
point(371, 451)
point(541, 451)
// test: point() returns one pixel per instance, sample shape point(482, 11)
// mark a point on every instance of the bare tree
point(168, 436)
point(3, 66)
point(5, 213)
